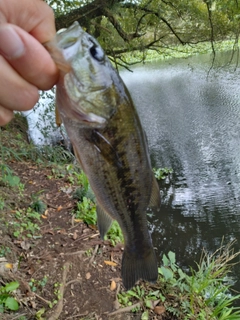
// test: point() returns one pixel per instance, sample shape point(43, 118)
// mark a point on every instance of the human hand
point(25, 65)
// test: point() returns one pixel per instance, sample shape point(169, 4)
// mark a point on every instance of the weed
point(57, 294)
point(38, 206)
point(139, 293)
point(6, 299)
point(39, 314)
point(4, 251)
point(204, 294)
point(8, 179)
point(86, 211)
point(7, 176)
point(24, 223)
point(89, 252)
point(162, 173)
point(38, 284)
point(114, 234)
point(15, 147)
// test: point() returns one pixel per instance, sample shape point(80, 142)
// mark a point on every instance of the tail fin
point(135, 267)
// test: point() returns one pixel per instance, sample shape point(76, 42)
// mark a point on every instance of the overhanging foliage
point(123, 26)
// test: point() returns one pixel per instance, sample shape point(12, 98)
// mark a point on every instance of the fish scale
point(110, 144)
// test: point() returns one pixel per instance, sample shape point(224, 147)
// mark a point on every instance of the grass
point(14, 146)
point(203, 294)
point(177, 51)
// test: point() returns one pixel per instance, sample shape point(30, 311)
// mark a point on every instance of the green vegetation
point(86, 208)
point(155, 29)
point(25, 224)
point(204, 294)
point(6, 299)
point(178, 51)
point(15, 147)
point(38, 284)
point(8, 178)
point(162, 173)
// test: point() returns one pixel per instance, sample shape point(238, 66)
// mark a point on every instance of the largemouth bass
point(110, 144)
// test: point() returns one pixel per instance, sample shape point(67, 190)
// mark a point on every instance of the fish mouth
point(73, 33)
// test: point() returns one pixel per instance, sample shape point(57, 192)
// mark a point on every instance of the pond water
point(191, 115)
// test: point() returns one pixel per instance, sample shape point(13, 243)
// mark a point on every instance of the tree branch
point(149, 11)
point(125, 36)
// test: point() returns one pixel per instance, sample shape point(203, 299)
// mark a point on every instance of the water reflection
point(192, 120)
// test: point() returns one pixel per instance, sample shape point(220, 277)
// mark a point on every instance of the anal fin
point(104, 221)
point(155, 200)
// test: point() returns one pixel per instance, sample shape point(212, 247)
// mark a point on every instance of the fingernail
point(11, 45)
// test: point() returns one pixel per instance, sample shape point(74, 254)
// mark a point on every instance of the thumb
point(27, 56)
point(11, 45)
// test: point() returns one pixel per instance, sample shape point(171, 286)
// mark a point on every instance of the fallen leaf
point(49, 231)
point(8, 265)
point(88, 275)
point(75, 235)
point(159, 309)
point(31, 270)
point(78, 220)
point(113, 285)
point(25, 245)
point(62, 231)
point(110, 263)
point(43, 216)
point(59, 208)
point(33, 303)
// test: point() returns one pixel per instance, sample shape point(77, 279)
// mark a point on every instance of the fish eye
point(97, 52)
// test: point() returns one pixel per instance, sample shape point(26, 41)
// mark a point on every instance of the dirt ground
point(80, 281)
point(69, 266)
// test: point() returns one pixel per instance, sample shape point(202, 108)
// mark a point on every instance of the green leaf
point(144, 315)
point(40, 313)
point(165, 260)
point(132, 293)
point(1, 308)
point(148, 304)
point(181, 274)
point(167, 273)
point(11, 286)
point(11, 304)
point(172, 257)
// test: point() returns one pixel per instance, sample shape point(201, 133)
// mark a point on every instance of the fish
point(110, 144)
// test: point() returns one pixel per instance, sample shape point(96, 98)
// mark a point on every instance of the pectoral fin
point(104, 221)
point(155, 200)
point(105, 148)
